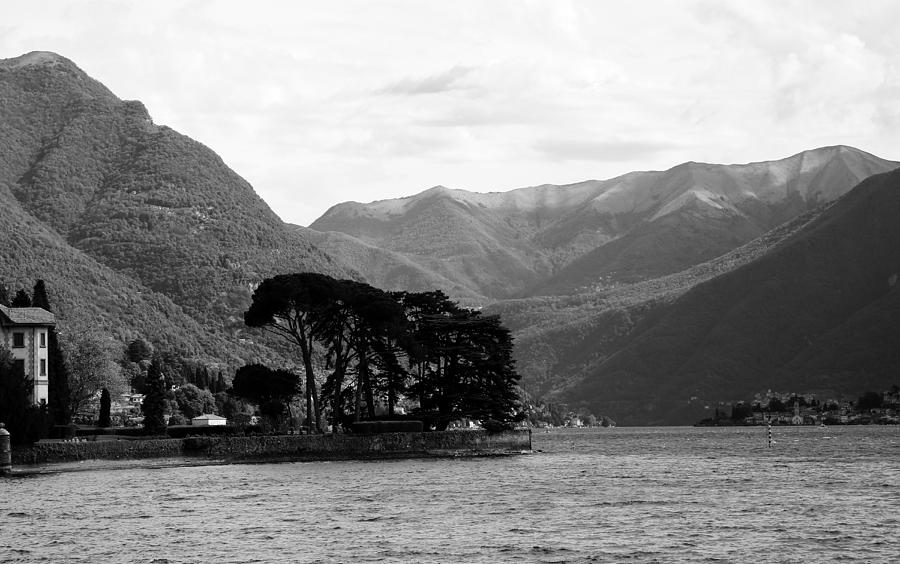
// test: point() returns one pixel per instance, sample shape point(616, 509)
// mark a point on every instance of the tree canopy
point(193, 402)
point(24, 420)
point(91, 365)
point(377, 347)
point(271, 390)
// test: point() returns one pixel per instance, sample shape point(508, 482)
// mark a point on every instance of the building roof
point(207, 417)
point(26, 316)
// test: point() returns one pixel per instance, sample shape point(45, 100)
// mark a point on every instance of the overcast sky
point(320, 102)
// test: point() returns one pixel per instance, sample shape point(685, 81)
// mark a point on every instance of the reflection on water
point(602, 495)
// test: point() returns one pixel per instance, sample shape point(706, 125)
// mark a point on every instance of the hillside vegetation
point(136, 228)
point(817, 312)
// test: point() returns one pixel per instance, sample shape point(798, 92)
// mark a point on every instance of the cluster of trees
point(25, 422)
point(85, 363)
point(378, 347)
point(177, 370)
point(177, 387)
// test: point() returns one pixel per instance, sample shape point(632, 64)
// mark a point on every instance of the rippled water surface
point(605, 495)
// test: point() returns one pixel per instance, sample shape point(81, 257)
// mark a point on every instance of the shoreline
point(46, 458)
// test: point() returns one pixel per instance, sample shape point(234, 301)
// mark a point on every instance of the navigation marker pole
point(769, 431)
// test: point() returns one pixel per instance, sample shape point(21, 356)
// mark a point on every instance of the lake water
point(602, 495)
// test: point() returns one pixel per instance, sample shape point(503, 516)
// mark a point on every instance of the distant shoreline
point(732, 423)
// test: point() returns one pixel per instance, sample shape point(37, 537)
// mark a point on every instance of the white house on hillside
point(25, 332)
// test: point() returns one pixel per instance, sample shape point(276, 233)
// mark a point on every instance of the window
point(18, 340)
point(43, 339)
point(43, 367)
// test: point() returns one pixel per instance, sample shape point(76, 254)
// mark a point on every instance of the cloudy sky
point(315, 103)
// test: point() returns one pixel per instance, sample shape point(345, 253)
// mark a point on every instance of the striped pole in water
point(769, 432)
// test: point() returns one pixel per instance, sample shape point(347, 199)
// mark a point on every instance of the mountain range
point(605, 283)
point(561, 240)
point(646, 297)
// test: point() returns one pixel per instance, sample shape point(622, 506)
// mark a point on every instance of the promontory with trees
point(363, 354)
point(378, 347)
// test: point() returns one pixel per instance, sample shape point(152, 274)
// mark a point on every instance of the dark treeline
point(379, 347)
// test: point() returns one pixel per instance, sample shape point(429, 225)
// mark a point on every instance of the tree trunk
point(357, 396)
point(337, 410)
point(392, 394)
point(370, 396)
point(312, 403)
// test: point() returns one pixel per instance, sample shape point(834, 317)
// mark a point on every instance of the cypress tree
point(105, 405)
point(39, 296)
point(154, 406)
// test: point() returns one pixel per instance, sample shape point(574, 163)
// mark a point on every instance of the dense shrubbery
point(181, 431)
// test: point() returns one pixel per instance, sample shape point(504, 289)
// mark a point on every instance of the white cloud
point(599, 150)
point(435, 84)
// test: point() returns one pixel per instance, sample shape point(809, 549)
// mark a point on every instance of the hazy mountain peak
point(52, 75)
point(36, 58)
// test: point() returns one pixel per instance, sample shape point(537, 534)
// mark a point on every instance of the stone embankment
point(284, 447)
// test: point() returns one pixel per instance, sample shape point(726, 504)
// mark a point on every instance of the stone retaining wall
point(97, 450)
point(285, 447)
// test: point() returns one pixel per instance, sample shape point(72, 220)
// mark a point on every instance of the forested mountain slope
point(817, 312)
point(126, 199)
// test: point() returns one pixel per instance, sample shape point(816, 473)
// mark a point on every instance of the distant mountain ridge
point(106, 187)
point(817, 312)
point(565, 239)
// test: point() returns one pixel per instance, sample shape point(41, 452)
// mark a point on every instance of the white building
point(25, 331)
point(209, 420)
